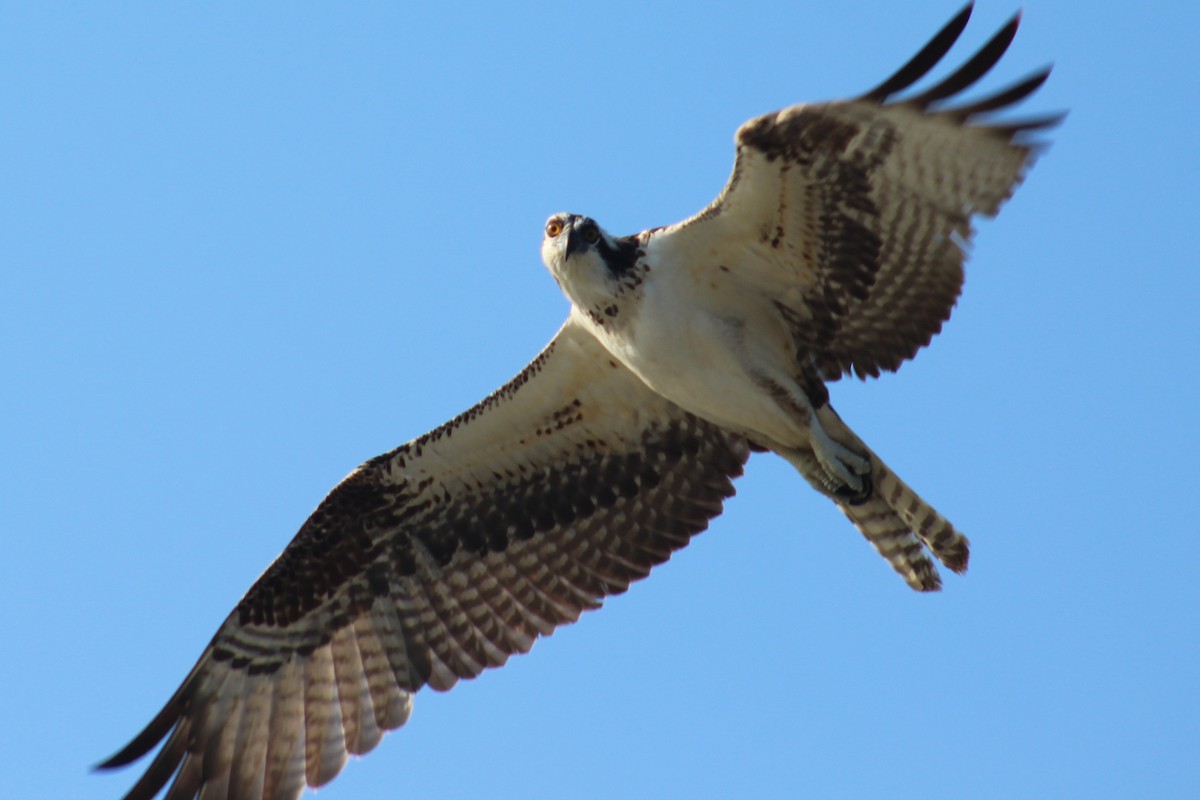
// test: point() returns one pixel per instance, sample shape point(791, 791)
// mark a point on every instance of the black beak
point(575, 242)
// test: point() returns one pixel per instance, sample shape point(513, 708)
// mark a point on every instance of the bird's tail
point(894, 519)
point(901, 526)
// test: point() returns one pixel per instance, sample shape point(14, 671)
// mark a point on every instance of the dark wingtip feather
point(1015, 128)
point(916, 67)
point(965, 76)
point(145, 741)
point(975, 68)
point(166, 765)
point(1003, 98)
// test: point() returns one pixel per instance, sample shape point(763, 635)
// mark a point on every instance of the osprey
point(835, 248)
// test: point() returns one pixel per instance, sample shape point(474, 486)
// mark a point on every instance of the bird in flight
point(836, 248)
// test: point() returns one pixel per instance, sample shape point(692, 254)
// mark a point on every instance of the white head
point(585, 260)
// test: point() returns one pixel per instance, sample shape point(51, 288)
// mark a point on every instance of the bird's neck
point(609, 302)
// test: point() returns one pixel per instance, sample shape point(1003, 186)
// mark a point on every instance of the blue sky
point(243, 249)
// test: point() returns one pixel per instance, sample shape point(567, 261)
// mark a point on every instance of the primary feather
point(835, 248)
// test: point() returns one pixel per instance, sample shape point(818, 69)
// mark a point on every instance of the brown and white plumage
point(860, 210)
point(435, 561)
point(836, 248)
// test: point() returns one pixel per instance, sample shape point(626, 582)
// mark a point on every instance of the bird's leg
point(831, 466)
point(847, 473)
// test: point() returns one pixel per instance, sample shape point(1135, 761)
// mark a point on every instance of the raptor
point(836, 248)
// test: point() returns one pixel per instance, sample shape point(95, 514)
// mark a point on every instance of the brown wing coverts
point(882, 195)
point(442, 558)
point(405, 576)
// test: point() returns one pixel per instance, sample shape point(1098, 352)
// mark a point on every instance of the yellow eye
point(554, 227)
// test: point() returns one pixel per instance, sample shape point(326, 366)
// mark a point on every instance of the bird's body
point(836, 248)
point(687, 353)
point(714, 345)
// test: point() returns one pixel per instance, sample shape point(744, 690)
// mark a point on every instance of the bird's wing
point(435, 561)
point(853, 216)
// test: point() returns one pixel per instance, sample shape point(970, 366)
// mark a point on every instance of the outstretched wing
point(853, 216)
point(435, 561)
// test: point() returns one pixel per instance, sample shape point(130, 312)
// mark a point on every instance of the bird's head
point(587, 261)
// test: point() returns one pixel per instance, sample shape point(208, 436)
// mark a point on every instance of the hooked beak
point(574, 244)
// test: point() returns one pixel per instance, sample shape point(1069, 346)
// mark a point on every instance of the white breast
point(708, 348)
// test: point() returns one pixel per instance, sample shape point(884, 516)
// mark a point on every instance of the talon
point(856, 498)
point(848, 475)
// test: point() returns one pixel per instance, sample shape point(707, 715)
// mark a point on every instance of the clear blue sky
point(244, 249)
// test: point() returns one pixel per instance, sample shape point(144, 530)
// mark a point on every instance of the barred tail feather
point(892, 517)
point(900, 525)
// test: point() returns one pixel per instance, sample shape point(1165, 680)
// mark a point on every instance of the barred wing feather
point(434, 562)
